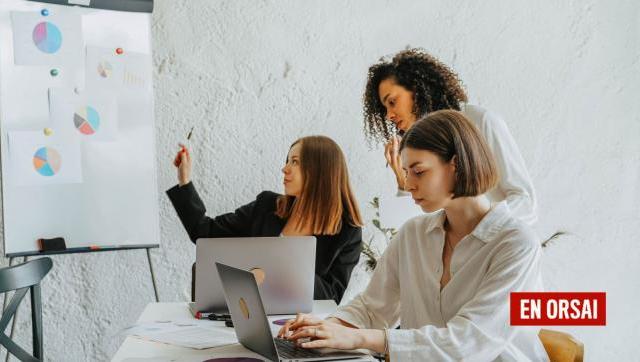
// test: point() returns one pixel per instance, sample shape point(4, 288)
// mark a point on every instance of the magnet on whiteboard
point(119, 51)
point(54, 72)
point(44, 12)
point(48, 131)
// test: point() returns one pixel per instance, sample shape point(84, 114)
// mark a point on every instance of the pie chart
point(47, 37)
point(87, 120)
point(47, 161)
point(105, 69)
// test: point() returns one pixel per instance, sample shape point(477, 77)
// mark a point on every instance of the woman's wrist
point(372, 339)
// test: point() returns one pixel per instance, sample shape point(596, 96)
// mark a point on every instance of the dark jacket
point(336, 255)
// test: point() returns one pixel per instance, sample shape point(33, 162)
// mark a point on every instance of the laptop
point(284, 267)
point(252, 326)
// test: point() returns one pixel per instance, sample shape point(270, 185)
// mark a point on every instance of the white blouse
point(515, 185)
point(469, 319)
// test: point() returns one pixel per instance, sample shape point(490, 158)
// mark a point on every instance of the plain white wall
point(252, 76)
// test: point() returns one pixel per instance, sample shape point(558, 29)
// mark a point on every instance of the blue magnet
point(44, 12)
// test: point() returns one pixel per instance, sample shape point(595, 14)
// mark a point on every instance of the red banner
point(558, 309)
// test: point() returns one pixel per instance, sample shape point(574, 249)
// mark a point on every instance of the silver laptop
point(252, 326)
point(284, 267)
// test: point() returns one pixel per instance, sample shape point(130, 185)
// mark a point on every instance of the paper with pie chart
point(91, 116)
point(103, 69)
point(47, 161)
point(36, 159)
point(54, 40)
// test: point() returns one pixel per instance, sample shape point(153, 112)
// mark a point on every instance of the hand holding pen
point(182, 162)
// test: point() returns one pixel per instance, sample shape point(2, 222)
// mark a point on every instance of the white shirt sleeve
point(480, 330)
point(378, 306)
point(515, 182)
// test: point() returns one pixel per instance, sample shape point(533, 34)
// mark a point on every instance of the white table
point(134, 349)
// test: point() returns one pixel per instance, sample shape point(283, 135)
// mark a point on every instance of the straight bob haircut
point(450, 134)
point(326, 200)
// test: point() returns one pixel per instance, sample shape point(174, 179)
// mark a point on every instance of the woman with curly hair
point(413, 84)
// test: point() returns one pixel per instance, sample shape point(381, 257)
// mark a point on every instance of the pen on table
point(178, 159)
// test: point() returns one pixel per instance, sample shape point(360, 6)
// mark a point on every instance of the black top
point(336, 255)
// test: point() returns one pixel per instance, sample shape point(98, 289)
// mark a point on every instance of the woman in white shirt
point(447, 275)
point(413, 84)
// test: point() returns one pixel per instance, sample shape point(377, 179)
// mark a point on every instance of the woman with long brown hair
point(317, 201)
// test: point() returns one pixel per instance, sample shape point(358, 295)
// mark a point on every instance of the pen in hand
point(178, 159)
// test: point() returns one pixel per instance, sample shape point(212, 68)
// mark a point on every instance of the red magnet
point(119, 51)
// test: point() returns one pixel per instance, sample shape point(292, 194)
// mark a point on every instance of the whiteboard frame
point(19, 5)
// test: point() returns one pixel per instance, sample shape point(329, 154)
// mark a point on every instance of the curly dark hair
point(433, 84)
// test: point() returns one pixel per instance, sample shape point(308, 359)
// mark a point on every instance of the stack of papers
point(195, 334)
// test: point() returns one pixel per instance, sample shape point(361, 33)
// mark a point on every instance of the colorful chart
point(47, 37)
point(105, 69)
point(87, 120)
point(47, 161)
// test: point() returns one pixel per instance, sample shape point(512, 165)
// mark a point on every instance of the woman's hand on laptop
point(331, 333)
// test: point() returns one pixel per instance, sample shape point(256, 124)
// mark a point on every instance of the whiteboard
point(114, 203)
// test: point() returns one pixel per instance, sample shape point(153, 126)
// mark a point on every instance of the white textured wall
point(252, 76)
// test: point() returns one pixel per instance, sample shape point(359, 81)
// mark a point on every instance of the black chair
point(22, 278)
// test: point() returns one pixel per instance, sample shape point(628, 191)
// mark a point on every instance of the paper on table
point(190, 334)
point(55, 39)
point(36, 159)
point(92, 115)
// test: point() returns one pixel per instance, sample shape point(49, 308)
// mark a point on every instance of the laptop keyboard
point(288, 349)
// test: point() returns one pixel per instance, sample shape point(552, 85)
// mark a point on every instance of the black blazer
point(336, 255)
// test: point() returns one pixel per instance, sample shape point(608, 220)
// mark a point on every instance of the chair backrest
point(561, 347)
point(22, 278)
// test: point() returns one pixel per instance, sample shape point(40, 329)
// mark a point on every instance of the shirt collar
point(492, 223)
point(486, 230)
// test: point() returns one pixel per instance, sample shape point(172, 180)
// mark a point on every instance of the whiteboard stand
point(85, 249)
point(153, 276)
point(25, 259)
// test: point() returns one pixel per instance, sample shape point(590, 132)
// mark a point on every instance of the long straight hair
point(326, 200)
